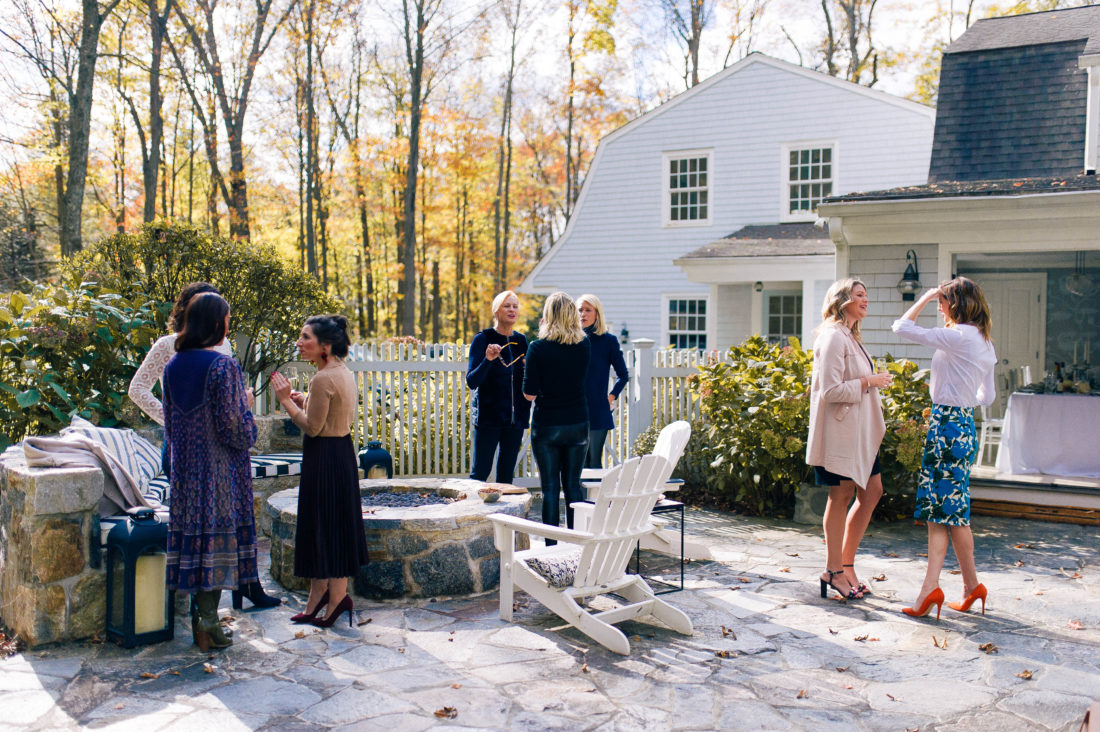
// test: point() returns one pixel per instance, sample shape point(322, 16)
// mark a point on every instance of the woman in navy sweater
point(495, 371)
point(556, 367)
point(606, 355)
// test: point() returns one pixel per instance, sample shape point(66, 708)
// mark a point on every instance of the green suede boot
point(208, 631)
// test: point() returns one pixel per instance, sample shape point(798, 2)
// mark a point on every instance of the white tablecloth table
point(1053, 434)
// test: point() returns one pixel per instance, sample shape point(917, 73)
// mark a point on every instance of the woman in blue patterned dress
point(209, 428)
point(962, 378)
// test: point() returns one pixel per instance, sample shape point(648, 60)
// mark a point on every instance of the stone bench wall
point(49, 591)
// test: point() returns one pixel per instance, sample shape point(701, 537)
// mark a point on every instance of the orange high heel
point(935, 597)
point(979, 593)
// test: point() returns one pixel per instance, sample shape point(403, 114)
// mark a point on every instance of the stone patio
point(767, 653)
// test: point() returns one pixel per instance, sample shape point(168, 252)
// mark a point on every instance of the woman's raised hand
point(880, 380)
point(929, 295)
point(281, 385)
point(492, 352)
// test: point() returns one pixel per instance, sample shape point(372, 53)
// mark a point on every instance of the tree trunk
point(406, 303)
point(80, 120)
point(150, 167)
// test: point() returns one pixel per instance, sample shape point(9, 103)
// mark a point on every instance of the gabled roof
point(768, 240)
point(1031, 29)
point(1012, 98)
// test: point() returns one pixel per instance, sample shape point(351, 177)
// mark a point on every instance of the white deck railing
point(414, 400)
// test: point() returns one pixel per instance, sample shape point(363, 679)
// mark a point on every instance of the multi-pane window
point(688, 188)
point(687, 323)
point(809, 178)
point(784, 316)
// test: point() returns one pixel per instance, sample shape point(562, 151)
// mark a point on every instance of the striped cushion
point(263, 466)
point(137, 455)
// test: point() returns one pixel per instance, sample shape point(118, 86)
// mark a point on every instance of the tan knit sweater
point(330, 404)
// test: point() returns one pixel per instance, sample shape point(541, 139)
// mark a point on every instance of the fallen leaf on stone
point(300, 634)
point(833, 632)
point(860, 637)
point(842, 669)
point(988, 648)
point(400, 650)
point(847, 686)
point(954, 571)
point(364, 622)
point(784, 569)
point(892, 697)
point(450, 640)
point(1025, 675)
point(735, 588)
point(879, 578)
point(173, 673)
point(456, 686)
point(209, 668)
point(802, 694)
point(1019, 562)
point(446, 713)
point(1075, 575)
point(920, 554)
point(726, 632)
point(940, 644)
point(120, 706)
point(873, 640)
point(148, 675)
point(744, 579)
point(1075, 625)
point(1024, 546)
point(891, 554)
point(723, 654)
point(1038, 592)
point(790, 554)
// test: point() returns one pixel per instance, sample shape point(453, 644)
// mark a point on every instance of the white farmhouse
point(659, 231)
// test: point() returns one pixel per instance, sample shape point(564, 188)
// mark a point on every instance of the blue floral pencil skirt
point(943, 491)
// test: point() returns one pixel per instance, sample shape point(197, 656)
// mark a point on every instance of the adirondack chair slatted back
point(621, 515)
point(672, 441)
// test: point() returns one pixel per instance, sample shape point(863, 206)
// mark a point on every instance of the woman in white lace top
point(152, 368)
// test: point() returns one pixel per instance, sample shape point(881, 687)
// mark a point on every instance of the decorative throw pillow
point(558, 569)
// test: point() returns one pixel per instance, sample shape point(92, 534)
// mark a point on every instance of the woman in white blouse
point(141, 393)
point(962, 378)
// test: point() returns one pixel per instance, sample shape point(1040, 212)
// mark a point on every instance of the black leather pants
point(559, 452)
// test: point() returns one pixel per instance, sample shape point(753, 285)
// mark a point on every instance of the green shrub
point(269, 298)
point(66, 351)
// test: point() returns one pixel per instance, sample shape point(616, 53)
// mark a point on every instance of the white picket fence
point(414, 400)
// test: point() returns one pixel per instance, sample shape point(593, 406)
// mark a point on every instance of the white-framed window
point(809, 172)
point(782, 315)
point(687, 176)
point(686, 321)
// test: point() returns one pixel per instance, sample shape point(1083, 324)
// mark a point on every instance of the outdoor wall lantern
point(375, 461)
point(624, 335)
point(139, 606)
point(758, 286)
point(909, 284)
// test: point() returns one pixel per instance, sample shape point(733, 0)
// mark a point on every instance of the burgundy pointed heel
point(308, 617)
point(329, 620)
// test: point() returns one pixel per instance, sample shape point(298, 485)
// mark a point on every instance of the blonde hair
point(560, 321)
point(498, 303)
point(837, 298)
point(965, 304)
point(599, 325)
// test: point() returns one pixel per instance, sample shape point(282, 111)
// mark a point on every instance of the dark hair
point(203, 322)
point(965, 304)
point(332, 331)
point(175, 318)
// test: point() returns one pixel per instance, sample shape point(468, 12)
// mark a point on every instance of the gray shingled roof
point(1012, 100)
point(1053, 26)
point(950, 189)
point(768, 240)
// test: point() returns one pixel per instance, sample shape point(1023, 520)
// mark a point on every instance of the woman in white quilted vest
point(141, 393)
point(846, 429)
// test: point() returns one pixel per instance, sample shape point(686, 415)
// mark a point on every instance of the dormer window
point(687, 188)
point(810, 174)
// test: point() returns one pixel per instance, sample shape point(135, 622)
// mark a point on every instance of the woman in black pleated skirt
point(329, 545)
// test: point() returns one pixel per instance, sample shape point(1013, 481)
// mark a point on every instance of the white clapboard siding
point(414, 400)
point(617, 245)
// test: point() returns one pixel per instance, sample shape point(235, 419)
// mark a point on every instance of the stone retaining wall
point(49, 591)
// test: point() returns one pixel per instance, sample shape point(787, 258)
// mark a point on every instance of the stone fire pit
point(419, 551)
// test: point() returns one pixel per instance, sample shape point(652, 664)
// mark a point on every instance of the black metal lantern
point(139, 605)
point(909, 284)
point(375, 461)
point(624, 335)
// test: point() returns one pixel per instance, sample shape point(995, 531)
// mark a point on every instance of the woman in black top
point(606, 355)
point(495, 371)
point(557, 364)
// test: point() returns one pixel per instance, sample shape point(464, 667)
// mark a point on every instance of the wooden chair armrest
point(546, 531)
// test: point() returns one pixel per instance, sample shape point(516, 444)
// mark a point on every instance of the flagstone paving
point(767, 653)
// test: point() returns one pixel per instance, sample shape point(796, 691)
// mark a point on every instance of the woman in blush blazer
point(846, 429)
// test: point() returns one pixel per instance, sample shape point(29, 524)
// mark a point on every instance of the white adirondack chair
point(592, 562)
